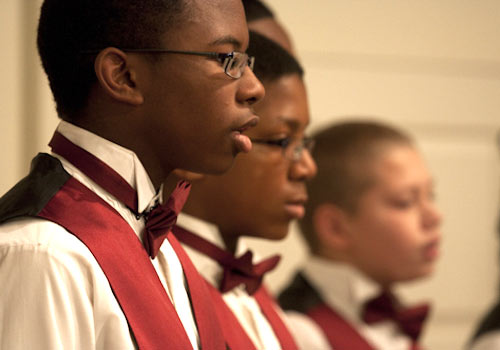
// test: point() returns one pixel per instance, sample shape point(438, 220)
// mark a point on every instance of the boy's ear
point(188, 175)
point(330, 226)
point(117, 77)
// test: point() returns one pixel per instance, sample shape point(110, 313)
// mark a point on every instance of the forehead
point(400, 165)
point(270, 28)
point(285, 103)
point(209, 24)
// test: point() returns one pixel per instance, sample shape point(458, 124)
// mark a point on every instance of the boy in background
point(487, 333)
point(370, 224)
point(258, 197)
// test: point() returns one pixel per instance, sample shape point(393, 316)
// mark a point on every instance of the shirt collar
point(345, 288)
point(208, 268)
point(124, 161)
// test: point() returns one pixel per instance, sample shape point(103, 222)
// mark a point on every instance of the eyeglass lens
point(295, 149)
point(235, 66)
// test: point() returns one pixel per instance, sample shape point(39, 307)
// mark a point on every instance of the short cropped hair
point(343, 152)
point(69, 28)
point(271, 60)
point(256, 9)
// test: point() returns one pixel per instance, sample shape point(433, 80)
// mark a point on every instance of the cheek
point(217, 98)
point(392, 246)
point(272, 179)
point(213, 116)
point(203, 100)
point(393, 234)
point(262, 182)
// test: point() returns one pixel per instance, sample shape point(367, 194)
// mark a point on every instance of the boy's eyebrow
point(228, 39)
point(292, 123)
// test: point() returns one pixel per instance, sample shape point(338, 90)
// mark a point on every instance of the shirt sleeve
point(48, 294)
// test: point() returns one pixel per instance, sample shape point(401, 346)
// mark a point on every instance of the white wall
point(27, 115)
point(429, 66)
point(10, 91)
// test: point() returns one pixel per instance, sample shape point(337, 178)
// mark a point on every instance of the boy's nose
point(304, 168)
point(250, 88)
point(432, 216)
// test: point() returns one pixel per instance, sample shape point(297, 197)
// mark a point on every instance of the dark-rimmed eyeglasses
point(291, 148)
point(233, 63)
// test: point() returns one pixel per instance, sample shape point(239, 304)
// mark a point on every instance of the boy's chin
point(416, 276)
point(272, 233)
point(277, 234)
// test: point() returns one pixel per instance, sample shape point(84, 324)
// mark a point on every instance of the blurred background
point(431, 67)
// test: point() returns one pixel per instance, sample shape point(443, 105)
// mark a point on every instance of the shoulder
point(299, 295)
point(490, 323)
point(36, 244)
point(40, 260)
point(51, 286)
point(37, 232)
point(31, 194)
point(487, 341)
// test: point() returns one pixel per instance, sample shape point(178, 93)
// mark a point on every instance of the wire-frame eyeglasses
point(233, 63)
point(291, 148)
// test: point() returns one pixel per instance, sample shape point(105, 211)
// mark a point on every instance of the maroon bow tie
point(241, 271)
point(236, 270)
point(386, 306)
point(159, 220)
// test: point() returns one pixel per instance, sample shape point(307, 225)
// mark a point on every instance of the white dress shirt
point(53, 293)
point(345, 290)
point(244, 306)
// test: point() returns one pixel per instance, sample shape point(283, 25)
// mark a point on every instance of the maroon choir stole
point(302, 297)
point(239, 271)
point(49, 192)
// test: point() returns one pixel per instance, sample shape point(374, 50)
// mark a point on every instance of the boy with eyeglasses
point(259, 196)
point(87, 260)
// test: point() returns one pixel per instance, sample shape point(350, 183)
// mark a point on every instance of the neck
point(128, 136)
point(193, 208)
point(230, 242)
point(169, 184)
point(200, 205)
point(328, 253)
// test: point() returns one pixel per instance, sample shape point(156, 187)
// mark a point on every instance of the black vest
point(30, 195)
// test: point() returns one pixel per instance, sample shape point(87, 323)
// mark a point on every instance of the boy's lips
point(241, 141)
point(295, 208)
point(431, 250)
point(295, 211)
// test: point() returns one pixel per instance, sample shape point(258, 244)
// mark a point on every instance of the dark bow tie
point(236, 270)
point(241, 271)
point(162, 217)
point(386, 306)
point(159, 220)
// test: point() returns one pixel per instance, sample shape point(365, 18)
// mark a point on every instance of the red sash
point(127, 266)
point(122, 256)
point(268, 306)
point(235, 335)
point(340, 334)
